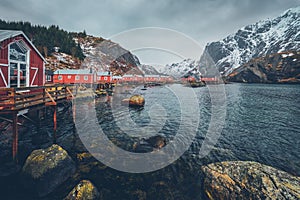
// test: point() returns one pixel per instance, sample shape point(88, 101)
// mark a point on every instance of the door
point(18, 74)
point(18, 64)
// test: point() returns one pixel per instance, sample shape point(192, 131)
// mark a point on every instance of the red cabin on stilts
point(103, 77)
point(21, 64)
point(72, 76)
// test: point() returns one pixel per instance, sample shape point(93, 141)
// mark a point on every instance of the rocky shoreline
point(49, 170)
point(248, 180)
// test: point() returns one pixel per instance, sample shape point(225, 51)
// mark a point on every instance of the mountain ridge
point(256, 40)
point(259, 39)
point(74, 50)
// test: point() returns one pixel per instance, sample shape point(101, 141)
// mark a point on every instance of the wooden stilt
point(54, 124)
point(15, 137)
point(38, 117)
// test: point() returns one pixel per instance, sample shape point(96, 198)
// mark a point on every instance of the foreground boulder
point(249, 180)
point(84, 190)
point(137, 100)
point(150, 144)
point(46, 169)
point(157, 141)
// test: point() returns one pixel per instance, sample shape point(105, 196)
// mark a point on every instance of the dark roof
point(72, 71)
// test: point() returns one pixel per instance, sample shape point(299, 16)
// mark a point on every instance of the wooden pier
point(18, 101)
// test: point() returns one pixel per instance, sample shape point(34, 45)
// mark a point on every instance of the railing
point(20, 98)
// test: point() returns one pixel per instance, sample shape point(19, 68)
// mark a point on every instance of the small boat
point(125, 102)
point(196, 84)
point(145, 87)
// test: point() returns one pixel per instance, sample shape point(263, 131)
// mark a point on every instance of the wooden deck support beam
point(15, 100)
point(54, 124)
point(15, 136)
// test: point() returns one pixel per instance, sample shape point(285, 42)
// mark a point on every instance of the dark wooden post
point(56, 92)
point(38, 118)
point(14, 98)
point(66, 92)
point(44, 94)
point(15, 137)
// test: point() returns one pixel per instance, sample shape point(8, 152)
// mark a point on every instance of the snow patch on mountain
point(178, 70)
point(256, 40)
point(149, 70)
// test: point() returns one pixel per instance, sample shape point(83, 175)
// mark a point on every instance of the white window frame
point(48, 78)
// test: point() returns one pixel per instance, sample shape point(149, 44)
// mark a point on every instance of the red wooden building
point(166, 79)
point(103, 77)
point(188, 79)
point(210, 79)
point(48, 77)
point(117, 79)
point(71, 76)
point(128, 78)
point(21, 64)
point(152, 78)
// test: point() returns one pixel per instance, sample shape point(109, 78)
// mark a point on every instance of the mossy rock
point(46, 169)
point(149, 144)
point(249, 180)
point(84, 190)
point(136, 101)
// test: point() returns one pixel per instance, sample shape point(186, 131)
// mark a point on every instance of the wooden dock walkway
point(17, 101)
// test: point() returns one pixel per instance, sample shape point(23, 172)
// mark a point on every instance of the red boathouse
point(104, 77)
point(21, 64)
point(71, 76)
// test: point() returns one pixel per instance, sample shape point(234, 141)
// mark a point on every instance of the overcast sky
point(203, 20)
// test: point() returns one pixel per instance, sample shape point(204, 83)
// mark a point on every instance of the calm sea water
point(261, 124)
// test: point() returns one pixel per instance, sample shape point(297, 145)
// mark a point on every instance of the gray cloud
point(203, 20)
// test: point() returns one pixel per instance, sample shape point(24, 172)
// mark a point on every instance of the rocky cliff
point(274, 68)
point(105, 55)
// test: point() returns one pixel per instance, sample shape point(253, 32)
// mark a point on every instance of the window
point(77, 78)
point(60, 77)
point(98, 78)
point(105, 78)
point(18, 51)
point(69, 77)
point(48, 78)
point(86, 78)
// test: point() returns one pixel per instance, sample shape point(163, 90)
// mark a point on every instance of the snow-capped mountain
point(257, 40)
point(149, 70)
point(178, 70)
